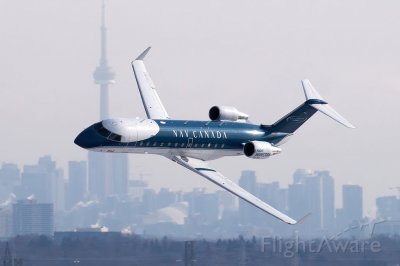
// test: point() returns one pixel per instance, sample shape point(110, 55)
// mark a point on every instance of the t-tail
point(314, 102)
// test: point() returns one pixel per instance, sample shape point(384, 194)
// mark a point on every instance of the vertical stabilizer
point(314, 102)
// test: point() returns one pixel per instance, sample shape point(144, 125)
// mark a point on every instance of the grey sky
point(251, 55)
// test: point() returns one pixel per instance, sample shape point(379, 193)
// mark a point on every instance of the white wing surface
point(203, 169)
point(152, 103)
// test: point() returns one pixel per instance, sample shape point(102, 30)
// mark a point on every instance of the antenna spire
point(103, 75)
point(103, 32)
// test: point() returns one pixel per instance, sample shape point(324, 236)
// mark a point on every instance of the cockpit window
point(105, 132)
point(97, 126)
point(114, 137)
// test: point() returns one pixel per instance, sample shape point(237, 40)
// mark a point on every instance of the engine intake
point(260, 150)
point(226, 113)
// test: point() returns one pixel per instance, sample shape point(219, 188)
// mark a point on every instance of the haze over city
point(251, 57)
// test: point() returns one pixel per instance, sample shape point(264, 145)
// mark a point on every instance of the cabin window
point(154, 144)
point(161, 144)
point(195, 145)
point(209, 145)
point(148, 143)
point(182, 145)
point(216, 145)
point(223, 145)
point(176, 145)
point(202, 145)
point(141, 143)
point(169, 144)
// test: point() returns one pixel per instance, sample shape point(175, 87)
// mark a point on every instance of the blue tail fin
point(292, 121)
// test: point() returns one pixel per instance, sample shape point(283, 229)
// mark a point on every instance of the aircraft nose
point(87, 139)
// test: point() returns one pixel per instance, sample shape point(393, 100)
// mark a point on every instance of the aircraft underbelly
point(202, 154)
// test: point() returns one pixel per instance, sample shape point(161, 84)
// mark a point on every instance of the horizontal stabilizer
point(315, 100)
point(329, 111)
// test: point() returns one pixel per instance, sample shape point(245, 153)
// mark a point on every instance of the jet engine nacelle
point(260, 150)
point(226, 113)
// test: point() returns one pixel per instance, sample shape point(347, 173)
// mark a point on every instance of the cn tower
point(103, 76)
point(108, 173)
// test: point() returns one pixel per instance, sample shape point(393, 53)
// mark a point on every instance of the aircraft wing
point(152, 103)
point(202, 168)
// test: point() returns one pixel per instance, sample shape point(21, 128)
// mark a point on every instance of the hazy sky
point(248, 54)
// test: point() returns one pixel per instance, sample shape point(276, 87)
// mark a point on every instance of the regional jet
point(192, 143)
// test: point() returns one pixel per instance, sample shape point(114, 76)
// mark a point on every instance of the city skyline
point(150, 208)
point(73, 167)
point(60, 97)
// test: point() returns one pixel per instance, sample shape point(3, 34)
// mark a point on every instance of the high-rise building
point(388, 208)
point(32, 218)
point(273, 195)
point(35, 182)
point(227, 201)
point(328, 200)
point(56, 182)
point(119, 175)
point(301, 174)
point(313, 196)
point(108, 173)
point(44, 182)
point(77, 182)
point(58, 191)
point(5, 221)
point(136, 189)
point(297, 200)
point(247, 181)
point(166, 197)
point(352, 210)
point(313, 192)
point(388, 211)
point(97, 173)
point(9, 178)
point(149, 200)
point(267, 192)
point(353, 201)
point(203, 207)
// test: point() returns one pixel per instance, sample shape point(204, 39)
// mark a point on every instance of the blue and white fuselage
point(205, 140)
point(192, 143)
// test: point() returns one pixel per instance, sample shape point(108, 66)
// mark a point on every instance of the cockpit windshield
point(98, 127)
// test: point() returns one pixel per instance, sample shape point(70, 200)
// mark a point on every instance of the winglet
point(143, 54)
point(310, 92)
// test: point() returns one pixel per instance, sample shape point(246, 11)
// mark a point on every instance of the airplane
point(192, 143)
